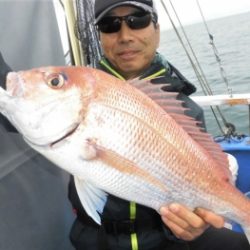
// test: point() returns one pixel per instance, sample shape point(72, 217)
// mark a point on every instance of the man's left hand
point(186, 224)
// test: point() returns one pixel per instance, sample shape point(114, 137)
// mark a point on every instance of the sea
point(231, 37)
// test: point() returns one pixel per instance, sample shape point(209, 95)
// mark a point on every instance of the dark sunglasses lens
point(138, 22)
point(112, 24)
point(109, 24)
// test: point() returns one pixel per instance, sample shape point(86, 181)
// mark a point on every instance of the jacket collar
point(158, 67)
point(160, 71)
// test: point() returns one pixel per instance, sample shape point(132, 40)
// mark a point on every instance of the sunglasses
point(112, 24)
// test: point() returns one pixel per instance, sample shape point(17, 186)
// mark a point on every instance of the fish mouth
point(68, 134)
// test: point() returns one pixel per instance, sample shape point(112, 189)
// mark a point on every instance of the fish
point(125, 138)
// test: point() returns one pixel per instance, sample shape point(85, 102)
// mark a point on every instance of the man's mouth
point(128, 54)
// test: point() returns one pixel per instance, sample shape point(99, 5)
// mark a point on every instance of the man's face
point(130, 51)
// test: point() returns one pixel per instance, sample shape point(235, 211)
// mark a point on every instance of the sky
point(188, 10)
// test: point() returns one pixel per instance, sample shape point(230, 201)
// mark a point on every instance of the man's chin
point(129, 67)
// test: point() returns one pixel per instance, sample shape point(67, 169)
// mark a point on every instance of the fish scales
point(143, 139)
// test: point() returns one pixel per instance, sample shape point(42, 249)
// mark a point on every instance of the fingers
point(184, 223)
point(209, 217)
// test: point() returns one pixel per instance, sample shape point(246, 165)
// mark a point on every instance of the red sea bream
point(128, 139)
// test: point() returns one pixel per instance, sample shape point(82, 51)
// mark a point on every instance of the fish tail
point(247, 232)
point(246, 228)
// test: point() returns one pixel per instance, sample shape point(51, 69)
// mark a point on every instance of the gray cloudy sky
point(188, 10)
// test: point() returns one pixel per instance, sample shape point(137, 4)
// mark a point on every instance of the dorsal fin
point(168, 102)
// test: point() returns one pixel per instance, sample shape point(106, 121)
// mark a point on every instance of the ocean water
point(232, 39)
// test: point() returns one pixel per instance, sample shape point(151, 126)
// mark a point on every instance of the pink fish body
point(130, 141)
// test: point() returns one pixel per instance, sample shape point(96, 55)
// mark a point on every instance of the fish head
point(46, 104)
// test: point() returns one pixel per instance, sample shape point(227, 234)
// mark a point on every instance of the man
point(129, 36)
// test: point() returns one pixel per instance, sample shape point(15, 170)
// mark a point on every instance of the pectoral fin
point(92, 198)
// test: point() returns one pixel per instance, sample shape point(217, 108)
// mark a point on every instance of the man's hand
point(188, 225)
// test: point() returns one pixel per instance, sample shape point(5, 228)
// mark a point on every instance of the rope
point(87, 32)
point(249, 117)
point(183, 45)
point(229, 126)
point(74, 43)
point(201, 76)
point(197, 69)
point(216, 53)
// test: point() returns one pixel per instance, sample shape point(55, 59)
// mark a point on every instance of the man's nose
point(125, 33)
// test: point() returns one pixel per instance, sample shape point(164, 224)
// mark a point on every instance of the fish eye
point(55, 80)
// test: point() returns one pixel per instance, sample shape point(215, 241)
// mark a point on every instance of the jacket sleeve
point(4, 70)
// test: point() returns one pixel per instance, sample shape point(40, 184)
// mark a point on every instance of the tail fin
point(247, 233)
point(247, 228)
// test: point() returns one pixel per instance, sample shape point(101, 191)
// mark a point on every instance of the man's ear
point(157, 30)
